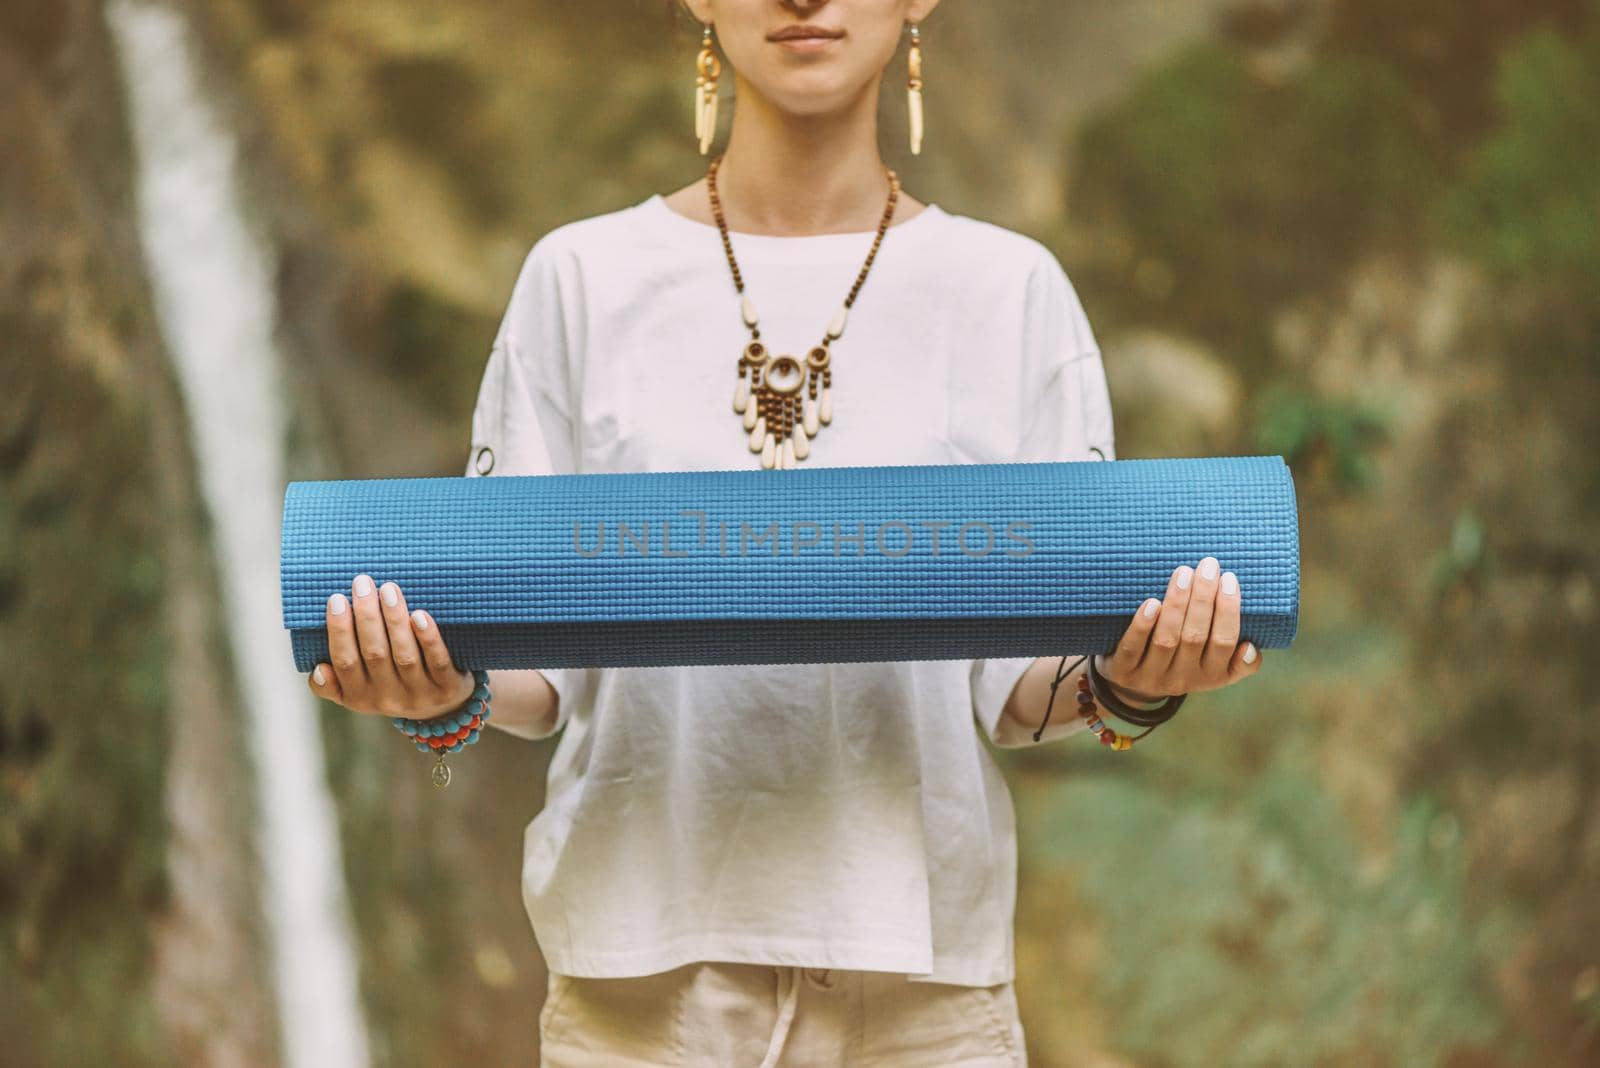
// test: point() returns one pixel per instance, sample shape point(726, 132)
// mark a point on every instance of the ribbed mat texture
point(807, 565)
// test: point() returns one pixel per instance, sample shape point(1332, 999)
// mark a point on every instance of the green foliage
point(1254, 192)
point(1411, 129)
point(1446, 52)
point(1462, 556)
point(1256, 933)
point(434, 349)
point(1329, 434)
point(1528, 204)
point(82, 723)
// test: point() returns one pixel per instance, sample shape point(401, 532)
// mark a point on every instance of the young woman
point(788, 864)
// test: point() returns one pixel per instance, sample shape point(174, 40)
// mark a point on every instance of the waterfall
point(213, 283)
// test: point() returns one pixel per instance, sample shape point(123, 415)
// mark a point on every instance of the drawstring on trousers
point(789, 979)
point(788, 995)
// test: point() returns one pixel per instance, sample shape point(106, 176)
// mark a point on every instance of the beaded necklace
point(780, 422)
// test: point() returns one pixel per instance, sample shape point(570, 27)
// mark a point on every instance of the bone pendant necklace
point(780, 422)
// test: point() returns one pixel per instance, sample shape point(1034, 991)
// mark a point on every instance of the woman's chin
point(810, 94)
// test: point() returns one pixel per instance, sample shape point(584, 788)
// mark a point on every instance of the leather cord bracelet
point(1153, 717)
point(1087, 695)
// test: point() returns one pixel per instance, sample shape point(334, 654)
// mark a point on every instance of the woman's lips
point(805, 44)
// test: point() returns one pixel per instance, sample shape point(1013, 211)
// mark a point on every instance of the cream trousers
point(760, 1016)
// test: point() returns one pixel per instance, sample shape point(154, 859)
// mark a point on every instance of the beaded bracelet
point(1091, 714)
point(451, 732)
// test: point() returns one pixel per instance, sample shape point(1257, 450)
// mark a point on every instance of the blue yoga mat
point(805, 565)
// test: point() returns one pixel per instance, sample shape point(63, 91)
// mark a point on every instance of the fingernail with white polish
point(1184, 575)
point(317, 674)
point(389, 594)
point(1230, 582)
point(363, 586)
point(1208, 568)
point(336, 604)
point(1249, 656)
point(420, 619)
point(1150, 607)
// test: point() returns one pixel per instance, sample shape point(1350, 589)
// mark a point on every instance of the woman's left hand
point(1187, 643)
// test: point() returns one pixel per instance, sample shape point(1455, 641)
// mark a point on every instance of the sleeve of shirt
point(1067, 417)
point(522, 422)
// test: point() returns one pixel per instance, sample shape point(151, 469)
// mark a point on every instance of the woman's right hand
point(387, 661)
point(1192, 646)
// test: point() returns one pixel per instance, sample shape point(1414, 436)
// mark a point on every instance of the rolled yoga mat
point(805, 565)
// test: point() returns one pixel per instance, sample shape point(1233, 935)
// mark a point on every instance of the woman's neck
point(793, 175)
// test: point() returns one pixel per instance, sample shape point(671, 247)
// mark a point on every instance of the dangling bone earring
point(707, 67)
point(914, 91)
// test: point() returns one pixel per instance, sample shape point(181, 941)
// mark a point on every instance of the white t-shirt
point(832, 815)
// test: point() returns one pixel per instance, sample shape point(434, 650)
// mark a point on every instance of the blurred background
point(243, 241)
